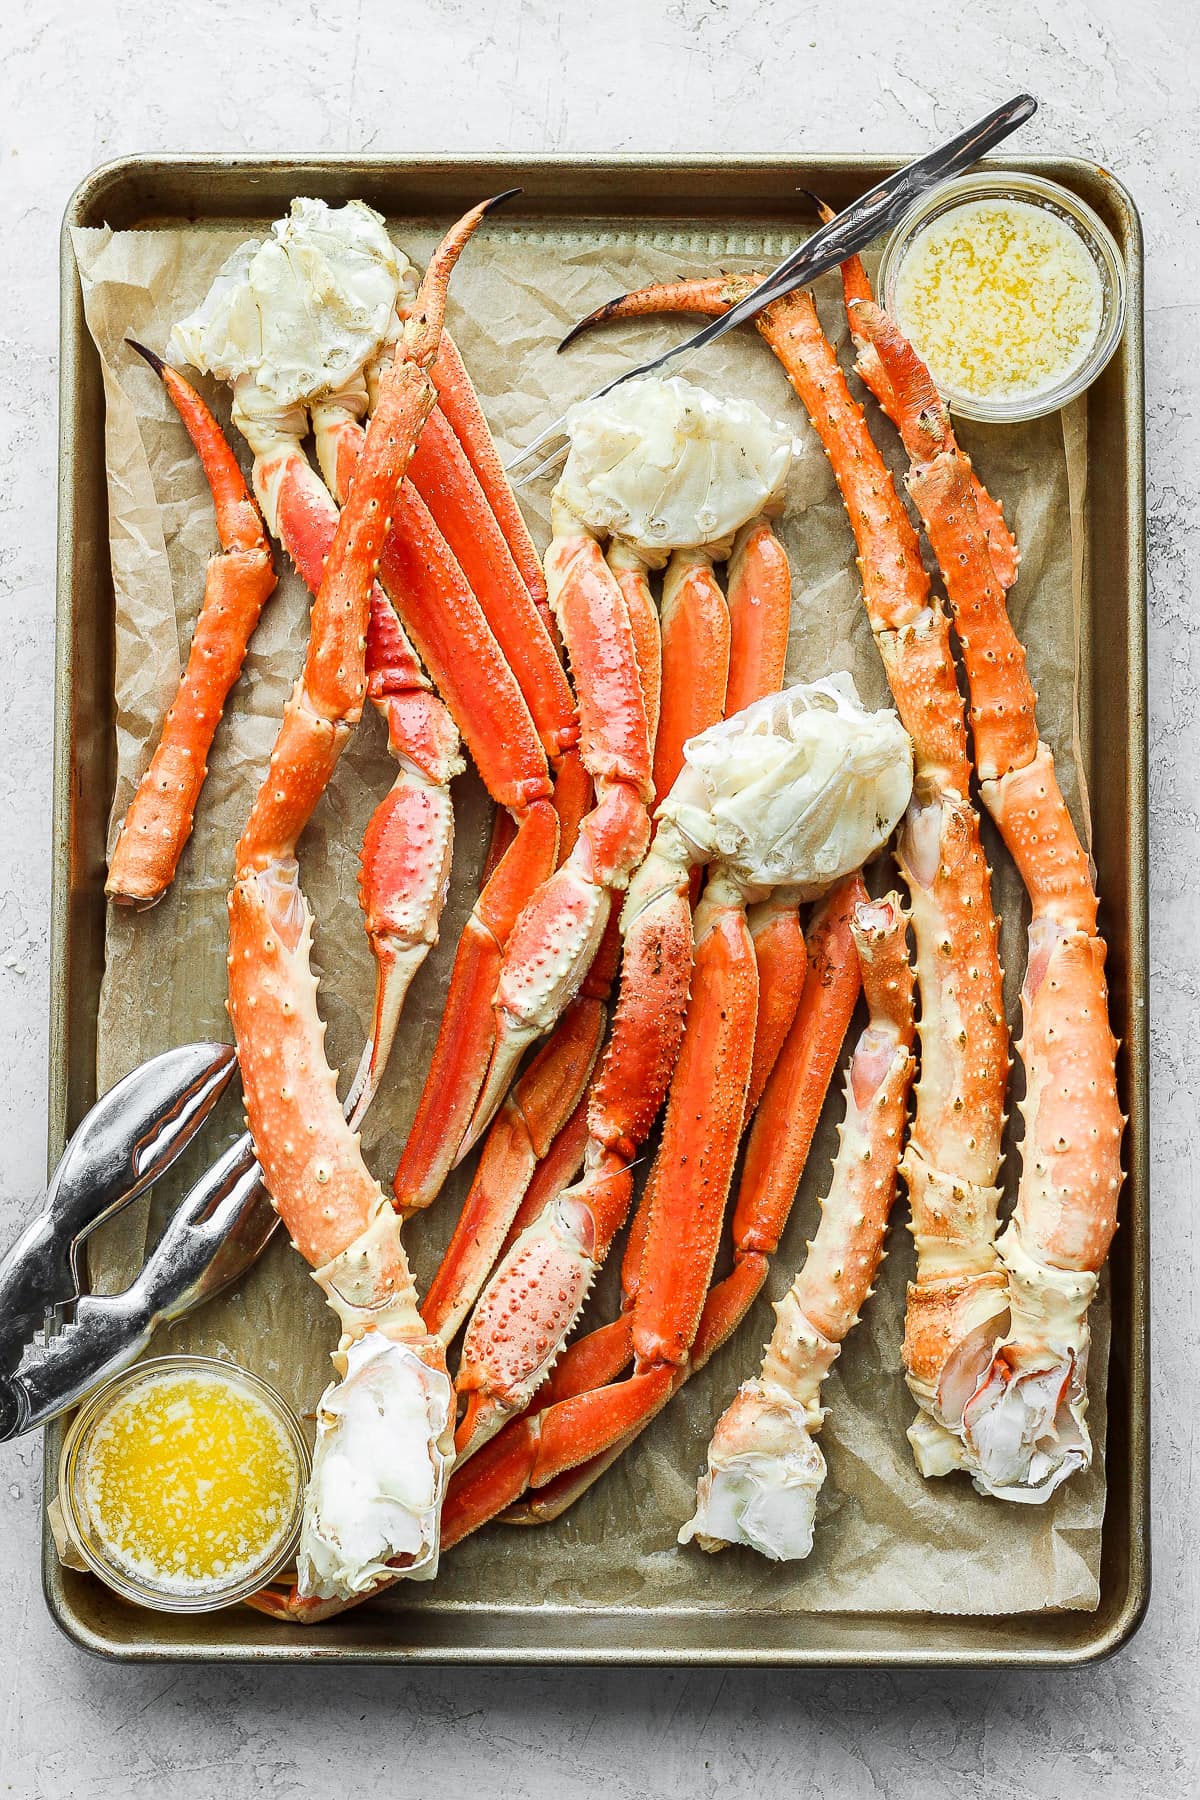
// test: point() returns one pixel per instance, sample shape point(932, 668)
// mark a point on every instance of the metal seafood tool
point(851, 231)
point(57, 1342)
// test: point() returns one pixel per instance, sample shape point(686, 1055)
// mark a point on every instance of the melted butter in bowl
point(184, 1479)
point(1010, 289)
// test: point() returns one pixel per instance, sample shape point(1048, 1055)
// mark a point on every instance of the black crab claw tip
point(156, 362)
point(593, 318)
point(489, 206)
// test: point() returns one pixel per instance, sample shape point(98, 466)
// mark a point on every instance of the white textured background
point(1117, 79)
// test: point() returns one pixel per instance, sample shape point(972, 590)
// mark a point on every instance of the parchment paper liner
point(886, 1540)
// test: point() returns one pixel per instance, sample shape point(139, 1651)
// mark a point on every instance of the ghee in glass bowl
point(1010, 289)
point(182, 1481)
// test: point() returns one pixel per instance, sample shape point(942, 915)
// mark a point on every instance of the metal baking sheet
point(142, 191)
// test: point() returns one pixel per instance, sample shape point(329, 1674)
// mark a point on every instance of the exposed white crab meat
point(800, 788)
point(379, 1474)
point(300, 310)
point(664, 465)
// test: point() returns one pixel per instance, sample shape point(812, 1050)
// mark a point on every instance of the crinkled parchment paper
point(886, 1540)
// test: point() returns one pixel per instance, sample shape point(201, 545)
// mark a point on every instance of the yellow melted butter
point(1001, 298)
point(189, 1481)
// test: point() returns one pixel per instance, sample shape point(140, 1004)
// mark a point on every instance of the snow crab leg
point(1024, 1423)
point(495, 1480)
point(237, 584)
point(764, 1466)
point(513, 1340)
point(361, 1512)
point(419, 571)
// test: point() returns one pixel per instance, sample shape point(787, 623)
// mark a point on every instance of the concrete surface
point(81, 84)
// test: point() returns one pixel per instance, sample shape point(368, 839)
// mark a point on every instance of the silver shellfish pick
point(57, 1342)
point(852, 230)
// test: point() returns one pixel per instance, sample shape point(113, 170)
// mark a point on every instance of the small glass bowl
point(1096, 238)
point(83, 1533)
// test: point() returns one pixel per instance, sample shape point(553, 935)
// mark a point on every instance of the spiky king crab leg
point(1024, 1425)
point(237, 583)
point(764, 1466)
point(499, 1475)
point(384, 1435)
point(958, 1305)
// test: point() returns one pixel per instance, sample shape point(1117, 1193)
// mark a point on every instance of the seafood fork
point(850, 232)
point(57, 1342)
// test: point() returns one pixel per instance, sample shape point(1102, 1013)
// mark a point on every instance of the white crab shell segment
point(798, 789)
point(379, 1471)
point(763, 1477)
point(301, 310)
point(665, 465)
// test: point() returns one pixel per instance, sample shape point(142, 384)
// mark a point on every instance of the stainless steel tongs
point(857, 226)
point(56, 1342)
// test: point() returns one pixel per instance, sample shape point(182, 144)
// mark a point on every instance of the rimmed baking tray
point(140, 191)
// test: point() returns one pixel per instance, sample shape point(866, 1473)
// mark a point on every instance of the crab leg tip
point(152, 357)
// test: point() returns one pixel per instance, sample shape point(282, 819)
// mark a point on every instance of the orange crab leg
point(1024, 1427)
point(633, 578)
point(237, 583)
point(552, 944)
point(334, 1211)
point(445, 479)
point(760, 611)
point(764, 1469)
point(459, 402)
point(695, 660)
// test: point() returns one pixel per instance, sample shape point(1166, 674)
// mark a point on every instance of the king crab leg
point(1024, 1425)
point(498, 1476)
point(958, 1304)
point(764, 1466)
point(237, 583)
point(335, 1212)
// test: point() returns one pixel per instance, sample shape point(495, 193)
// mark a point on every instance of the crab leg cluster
point(238, 583)
point(764, 1467)
point(1024, 1428)
point(376, 1489)
point(538, 1287)
point(996, 1338)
